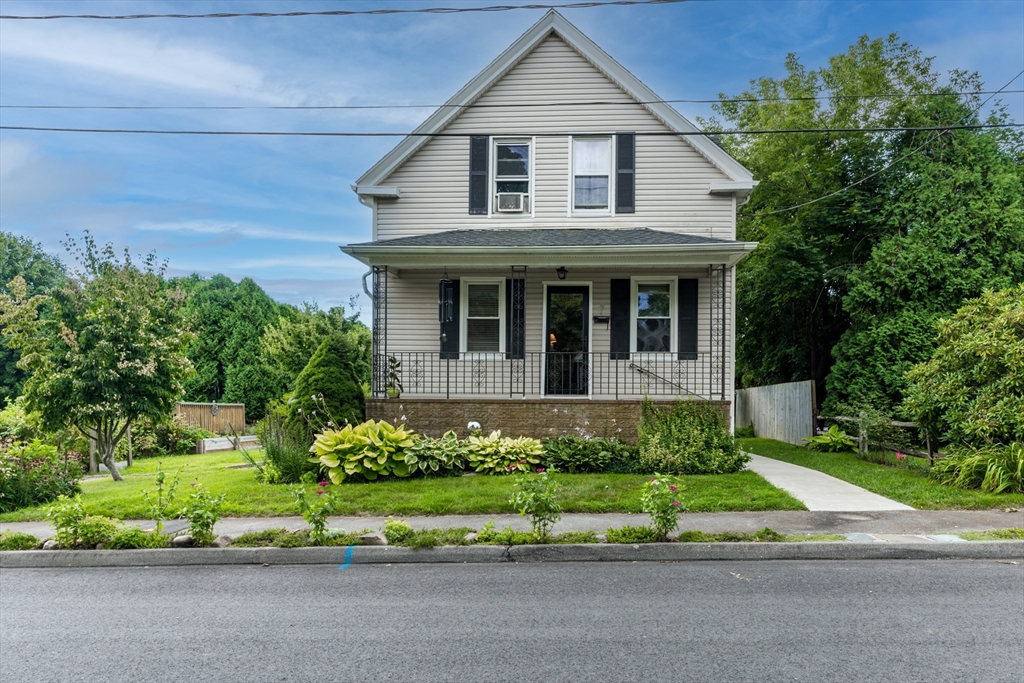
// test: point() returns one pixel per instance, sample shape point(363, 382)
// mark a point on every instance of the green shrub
point(365, 451)
point(65, 514)
point(432, 538)
point(488, 535)
point(444, 457)
point(16, 540)
point(315, 509)
point(576, 537)
point(497, 454)
point(765, 535)
point(744, 432)
point(689, 439)
point(660, 499)
point(202, 510)
point(285, 452)
point(834, 440)
point(259, 539)
point(96, 529)
point(993, 469)
point(159, 504)
point(327, 389)
point(576, 455)
point(971, 392)
point(534, 497)
point(397, 531)
point(156, 438)
point(134, 538)
point(632, 534)
point(34, 473)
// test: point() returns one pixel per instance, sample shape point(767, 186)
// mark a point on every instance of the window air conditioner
point(511, 202)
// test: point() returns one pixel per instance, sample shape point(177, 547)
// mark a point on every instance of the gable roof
point(552, 23)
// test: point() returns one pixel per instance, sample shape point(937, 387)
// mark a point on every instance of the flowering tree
point(109, 350)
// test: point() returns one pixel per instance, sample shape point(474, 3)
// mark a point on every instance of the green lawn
point(244, 497)
point(907, 484)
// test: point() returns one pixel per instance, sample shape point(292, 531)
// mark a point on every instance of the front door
point(567, 359)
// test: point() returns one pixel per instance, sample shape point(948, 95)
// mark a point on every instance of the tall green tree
point(792, 290)
point(22, 257)
point(329, 382)
point(110, 350)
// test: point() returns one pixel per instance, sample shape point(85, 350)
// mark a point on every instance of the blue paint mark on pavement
point(348, 558)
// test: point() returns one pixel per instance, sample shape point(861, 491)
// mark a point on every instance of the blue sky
point(276, 209)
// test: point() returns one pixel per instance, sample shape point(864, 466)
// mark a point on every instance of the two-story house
point(550, 246)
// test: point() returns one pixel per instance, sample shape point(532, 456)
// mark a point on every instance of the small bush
point(632, 534)
point(745, 432)
point(65, 514)
point(534, 497)
point(96, 529)
point(15, 540)
point(397, 531)
point(690, 439)
point(488, 535)
point(993, 469)
point(329, 385)
point(133, 538)
point(365, 451)
point(202, 511)
point(286, 456)
point(315, 509)
point(660, 499)
point(497, 454)
point(169, 436)
point(33, 473)
point(444, 457)
point(834, 440)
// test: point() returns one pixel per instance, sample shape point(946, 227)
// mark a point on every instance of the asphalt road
point(702, 621)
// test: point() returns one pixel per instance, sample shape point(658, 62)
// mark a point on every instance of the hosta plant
point(365, 451)
point(438, 457)
point(834, 440)
point(497, 454)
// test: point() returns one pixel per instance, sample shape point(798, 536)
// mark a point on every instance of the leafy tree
point(209, 304)
point(292, 341)
point(953, 226)
point(331, 373)
point(971, 391)
point(109, 351)
point(22, 257)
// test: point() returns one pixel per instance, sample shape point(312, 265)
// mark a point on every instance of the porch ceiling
point(642, 247)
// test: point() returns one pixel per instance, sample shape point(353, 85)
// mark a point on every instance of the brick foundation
point(536, 418)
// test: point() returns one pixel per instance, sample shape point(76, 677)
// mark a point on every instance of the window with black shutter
point(625, 173)
point(619, 324)
point(478, 175)
point(687, 319)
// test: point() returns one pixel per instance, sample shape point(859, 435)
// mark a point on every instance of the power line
point(340, 134)
point(891, 163)
point(347, 13)
point(595, 103)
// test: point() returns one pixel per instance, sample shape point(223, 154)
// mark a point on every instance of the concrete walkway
point(819, 491)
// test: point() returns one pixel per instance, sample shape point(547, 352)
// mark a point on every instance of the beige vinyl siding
point(671, 176)
point(412, 308)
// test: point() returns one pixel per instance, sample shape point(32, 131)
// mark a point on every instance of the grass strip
point(908, 484)
point(1012, 534)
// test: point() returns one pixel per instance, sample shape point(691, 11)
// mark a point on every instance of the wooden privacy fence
point(784, 412)
point(220, 418)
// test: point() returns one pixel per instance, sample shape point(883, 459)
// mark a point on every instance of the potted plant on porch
point(394, 378)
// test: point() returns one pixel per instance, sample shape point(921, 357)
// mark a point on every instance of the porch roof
point(550, 247)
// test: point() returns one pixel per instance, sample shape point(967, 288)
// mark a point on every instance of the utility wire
point(347, 13)
point(895, 161)
point(738, 100)
point(339, 134)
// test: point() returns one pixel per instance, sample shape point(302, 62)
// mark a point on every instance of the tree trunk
point(93, 467)
point(108, 460)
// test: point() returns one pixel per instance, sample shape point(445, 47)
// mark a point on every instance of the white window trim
point(464, 284)
point(673, 309)
point(572, 210)
point(492, 176)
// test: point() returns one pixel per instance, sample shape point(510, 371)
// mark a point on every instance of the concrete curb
point(648, 552)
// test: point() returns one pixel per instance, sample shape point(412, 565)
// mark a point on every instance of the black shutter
point(448, 313)
point(478, 175)
point(625, 173)
point(515, 339)
point(687, 319)
point(619, 343)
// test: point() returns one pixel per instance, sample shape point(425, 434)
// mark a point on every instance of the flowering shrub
point(315, 509)
point(32, 473)
point(690, 439)
point(660, 500)
point(534, 497)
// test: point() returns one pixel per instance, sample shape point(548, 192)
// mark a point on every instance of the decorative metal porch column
point(380, 331)
point(517, 332)
point(718, 330)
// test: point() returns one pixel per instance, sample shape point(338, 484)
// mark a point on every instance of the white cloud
point(239, 229)
point(158, 60)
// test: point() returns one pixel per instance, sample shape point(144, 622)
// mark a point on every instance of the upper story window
point(512, 176)
point(483, 315)
point(591, 174)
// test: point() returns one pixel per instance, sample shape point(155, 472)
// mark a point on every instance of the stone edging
point(594, 552)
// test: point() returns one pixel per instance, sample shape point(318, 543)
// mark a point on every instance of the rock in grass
point(222, 542)
point(373, 539)
point(471, 537)
point(183, 541)
point(50, 545)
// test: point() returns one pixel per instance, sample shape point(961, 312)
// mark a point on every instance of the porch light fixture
point(561, 272)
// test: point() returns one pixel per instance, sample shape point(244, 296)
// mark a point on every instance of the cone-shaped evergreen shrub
point(330, 372)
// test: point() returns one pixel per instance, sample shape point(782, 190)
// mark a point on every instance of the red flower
point(540, 469)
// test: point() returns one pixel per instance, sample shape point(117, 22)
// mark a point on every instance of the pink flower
point(319, 492)
point(671, 488)
point(675, 502)
point(540, 469)
point(322, 484)
point(510, 467)
point(900, 456)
